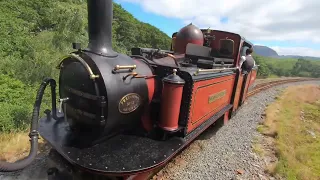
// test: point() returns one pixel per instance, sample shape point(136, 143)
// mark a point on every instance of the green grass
point(274, 76)
point(258, 149)
point(298, 150)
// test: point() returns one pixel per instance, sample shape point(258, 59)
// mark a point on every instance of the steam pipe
point(100, 16)
point(34, 135)
point(53, 85)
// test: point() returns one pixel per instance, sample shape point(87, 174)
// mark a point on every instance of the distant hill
point(297, 57)
point(269, 52)
point(265, 51)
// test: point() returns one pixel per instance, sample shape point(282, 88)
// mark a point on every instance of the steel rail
point(267, 85)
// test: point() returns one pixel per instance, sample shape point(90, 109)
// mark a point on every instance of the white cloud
point(302, 51)
point(273, 20)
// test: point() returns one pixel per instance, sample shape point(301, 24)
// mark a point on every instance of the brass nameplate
point(216, 96)
point(129, 103)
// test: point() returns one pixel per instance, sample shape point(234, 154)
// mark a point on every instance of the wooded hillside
point(36, 34)
point(288, 67)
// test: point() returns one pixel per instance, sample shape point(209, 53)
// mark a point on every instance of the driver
point(247, 62)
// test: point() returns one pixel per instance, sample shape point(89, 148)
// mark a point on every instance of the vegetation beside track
point(273, 67)
point(292, 127)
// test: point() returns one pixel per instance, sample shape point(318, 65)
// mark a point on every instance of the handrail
point(214, 70)
point(82, 61)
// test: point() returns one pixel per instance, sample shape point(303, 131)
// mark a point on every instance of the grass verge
point(15, 146)
point(293, 121)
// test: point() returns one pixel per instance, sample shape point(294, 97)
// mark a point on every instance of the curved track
point(266, 85)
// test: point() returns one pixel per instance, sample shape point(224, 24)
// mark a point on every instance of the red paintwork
point(246, 86)
point(188, 34)
point(146, 121)
point(149, 79)
point(250, 81)
point(226, 117)
point(238, 91)
point(170, 106)
point(151, 87)
point(201, 110)
point(141, 176)
point(253, 76)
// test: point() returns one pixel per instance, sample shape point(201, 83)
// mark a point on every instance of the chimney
point(100, 15)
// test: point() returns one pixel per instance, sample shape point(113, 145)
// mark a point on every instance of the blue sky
point(167, 25)
point(169, 21)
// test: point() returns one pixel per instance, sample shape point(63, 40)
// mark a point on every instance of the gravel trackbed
point(219, 153)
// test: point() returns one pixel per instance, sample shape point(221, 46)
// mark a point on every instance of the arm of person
point(242, 59)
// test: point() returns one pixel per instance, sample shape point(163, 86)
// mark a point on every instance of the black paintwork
point(197, 52)
point(100, 16)
point(119, 154)
point(144, 51)
point(173, 79)
point(110, 86)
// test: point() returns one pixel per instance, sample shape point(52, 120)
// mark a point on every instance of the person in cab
point(247, 62)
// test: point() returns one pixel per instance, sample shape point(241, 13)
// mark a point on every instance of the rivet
point(179, 144)
point(78, 159)
point(106, 167)
point(172, 149)
point(165, 155)
point(68, 152)
point(154, 161)
point(90, 164)
point(140, 166)
point(123, 168)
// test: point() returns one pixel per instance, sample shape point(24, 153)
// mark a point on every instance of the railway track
point(266, 85)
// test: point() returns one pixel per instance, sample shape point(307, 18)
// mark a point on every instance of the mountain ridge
point(266, 51)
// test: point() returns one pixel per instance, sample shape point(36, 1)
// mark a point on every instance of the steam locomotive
point(122, 117)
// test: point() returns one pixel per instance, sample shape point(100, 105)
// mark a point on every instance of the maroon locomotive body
point(126, 116)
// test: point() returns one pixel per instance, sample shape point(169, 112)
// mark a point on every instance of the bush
point(16, 104)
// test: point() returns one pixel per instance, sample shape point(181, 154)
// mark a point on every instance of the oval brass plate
point(129, 103)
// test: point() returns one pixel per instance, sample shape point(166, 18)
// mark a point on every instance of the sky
point(291, 27)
